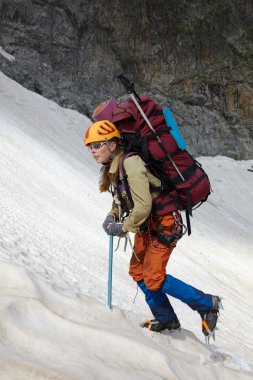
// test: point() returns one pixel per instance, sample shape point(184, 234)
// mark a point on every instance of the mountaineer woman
point(134, 188)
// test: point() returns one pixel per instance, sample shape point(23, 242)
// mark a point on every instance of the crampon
point(155, 325)
point(210, 318)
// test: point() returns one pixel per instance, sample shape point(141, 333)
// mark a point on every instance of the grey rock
point(196, 57)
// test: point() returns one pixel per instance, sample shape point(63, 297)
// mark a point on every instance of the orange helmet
point(101, 131)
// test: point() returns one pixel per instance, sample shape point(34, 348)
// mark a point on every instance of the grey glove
point(115, 229)
point(109, 219)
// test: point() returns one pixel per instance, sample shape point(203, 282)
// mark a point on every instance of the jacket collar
point(114, 167)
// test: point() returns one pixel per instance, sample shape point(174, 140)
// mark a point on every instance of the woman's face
point(102, 150)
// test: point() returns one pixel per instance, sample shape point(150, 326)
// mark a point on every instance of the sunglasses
point(96, 145)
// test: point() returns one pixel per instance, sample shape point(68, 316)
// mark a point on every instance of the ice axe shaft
point(110, 271)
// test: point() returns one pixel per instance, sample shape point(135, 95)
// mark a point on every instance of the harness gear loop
point(180, 228)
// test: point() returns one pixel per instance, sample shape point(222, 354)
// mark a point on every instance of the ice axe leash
point(131, 91)
point(110, 271)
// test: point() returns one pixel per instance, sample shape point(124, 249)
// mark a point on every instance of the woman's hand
point(109, 219)
point(116, 229)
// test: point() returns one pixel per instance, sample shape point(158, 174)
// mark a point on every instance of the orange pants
point(152, 255)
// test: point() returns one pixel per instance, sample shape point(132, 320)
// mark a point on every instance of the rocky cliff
point(196, 56)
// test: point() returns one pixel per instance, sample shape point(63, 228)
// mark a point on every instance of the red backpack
point(184, 184)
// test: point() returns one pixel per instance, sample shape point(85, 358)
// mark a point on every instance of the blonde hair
point(105, 180)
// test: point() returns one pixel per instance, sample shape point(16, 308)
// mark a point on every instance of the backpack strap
point(122, 171)
point(145, 148)
point(188, 222)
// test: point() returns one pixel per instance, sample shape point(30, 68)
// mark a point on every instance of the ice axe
point(110, 271)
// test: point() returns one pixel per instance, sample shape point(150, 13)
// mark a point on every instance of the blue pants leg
point(194, 298)
point(159, 304)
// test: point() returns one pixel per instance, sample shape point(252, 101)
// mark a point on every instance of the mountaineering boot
point(210, 318)
point(155, 325)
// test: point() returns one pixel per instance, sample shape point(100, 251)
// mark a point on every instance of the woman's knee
point(135, 274)
point(153, 282)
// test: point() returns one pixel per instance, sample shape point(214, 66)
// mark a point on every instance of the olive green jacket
point(139, 179)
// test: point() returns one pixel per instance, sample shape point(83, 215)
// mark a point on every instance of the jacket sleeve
point(114, 210)
point(137, 178)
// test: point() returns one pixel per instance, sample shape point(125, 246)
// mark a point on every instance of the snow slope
point(54, 322)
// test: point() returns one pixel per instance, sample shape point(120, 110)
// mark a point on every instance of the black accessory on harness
point(163, 238)
point(170, 239)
